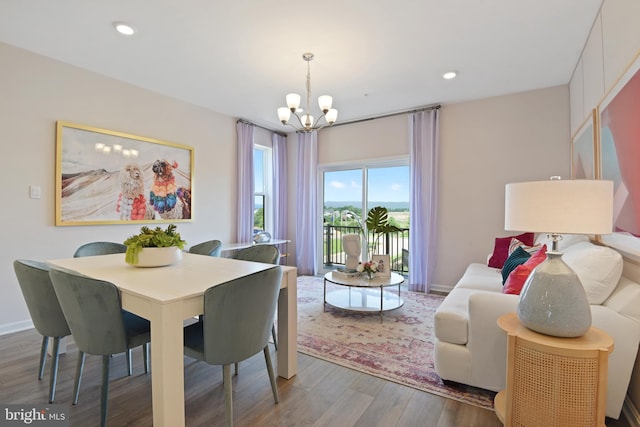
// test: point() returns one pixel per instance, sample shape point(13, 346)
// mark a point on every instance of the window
point(262, 216)
point(349, 192)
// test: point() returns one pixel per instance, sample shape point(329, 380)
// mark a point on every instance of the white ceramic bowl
point(159, 257)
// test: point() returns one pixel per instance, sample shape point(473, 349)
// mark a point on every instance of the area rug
point(399, 348)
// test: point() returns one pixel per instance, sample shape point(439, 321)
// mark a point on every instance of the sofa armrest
point(487, 342)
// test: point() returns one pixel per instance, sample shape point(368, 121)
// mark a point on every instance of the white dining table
point(167, 296)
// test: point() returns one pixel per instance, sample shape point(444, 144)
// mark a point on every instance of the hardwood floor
point(322, 394)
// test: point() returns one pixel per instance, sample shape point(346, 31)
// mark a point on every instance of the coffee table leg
point(381, 308)
point(324, 306)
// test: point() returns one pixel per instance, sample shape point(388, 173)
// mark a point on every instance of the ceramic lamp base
point(553, 300)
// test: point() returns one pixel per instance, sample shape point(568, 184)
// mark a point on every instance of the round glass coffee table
point(364, 295)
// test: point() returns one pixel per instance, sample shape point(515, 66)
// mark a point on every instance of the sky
point(385, 185)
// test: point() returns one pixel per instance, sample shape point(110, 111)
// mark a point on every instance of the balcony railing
point(395, 244)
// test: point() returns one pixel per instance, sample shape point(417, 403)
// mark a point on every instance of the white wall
point(484, 145)
point(35, 92)
point(613, 44)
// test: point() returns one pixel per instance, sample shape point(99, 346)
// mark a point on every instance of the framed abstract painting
point(619, 148)
point(109, 177)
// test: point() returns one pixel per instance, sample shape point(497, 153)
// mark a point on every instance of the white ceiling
point(240, 57)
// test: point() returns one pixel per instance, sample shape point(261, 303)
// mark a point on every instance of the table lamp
point(553, 300)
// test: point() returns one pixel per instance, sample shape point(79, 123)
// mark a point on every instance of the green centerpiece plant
point(152, 238)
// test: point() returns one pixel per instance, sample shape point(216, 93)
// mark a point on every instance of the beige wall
point(613, 44)
point(484, 145)
point(35, 92)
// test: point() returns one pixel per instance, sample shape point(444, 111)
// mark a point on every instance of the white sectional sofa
point(470, 348)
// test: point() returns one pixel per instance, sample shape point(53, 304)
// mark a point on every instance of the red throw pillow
point(501, 248)
point(519, 275)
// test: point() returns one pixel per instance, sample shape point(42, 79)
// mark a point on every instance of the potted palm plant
point(154, 247)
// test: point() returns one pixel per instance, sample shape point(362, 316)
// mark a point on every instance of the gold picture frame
point(109, 177)
point(584, 149)
point(383, 265)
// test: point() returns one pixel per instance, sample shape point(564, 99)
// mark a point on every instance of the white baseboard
point(630, 412)
point(440, 288)
point(9, 328)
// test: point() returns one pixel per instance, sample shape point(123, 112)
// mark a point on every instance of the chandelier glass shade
point(305, 121)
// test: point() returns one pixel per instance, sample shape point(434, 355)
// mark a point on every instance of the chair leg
point(236, 367)
point(54, 369)
point(272, 378)
point(129, 364)
point(79, 369)
point(226, 379)
point(273, 334)
point(104, 396)
point(145, 356)
point(43, 356)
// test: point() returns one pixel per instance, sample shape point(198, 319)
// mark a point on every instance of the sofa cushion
point(480, 277)
point(518, 256)
point(625, 299)
point(598, 267)
point(521, 273)
point(501, 248)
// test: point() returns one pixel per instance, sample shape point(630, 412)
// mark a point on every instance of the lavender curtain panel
point(245, 205)
point(424, 131)
point(279, 145)
point(306, 204)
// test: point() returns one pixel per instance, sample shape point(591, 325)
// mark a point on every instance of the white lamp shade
point(331, 116)
point(283, 114)
point(560, 206)
point(293, 101)
point(324, 102)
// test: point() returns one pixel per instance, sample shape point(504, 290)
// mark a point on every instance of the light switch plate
point(35, 191)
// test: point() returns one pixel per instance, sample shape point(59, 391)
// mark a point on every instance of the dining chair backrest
point(238, 316)
point(210, 248)
point(93, 310)
point(268, 254)
point(40, 297)
point(100, 248)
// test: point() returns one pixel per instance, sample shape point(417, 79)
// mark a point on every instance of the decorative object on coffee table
point(553, 300)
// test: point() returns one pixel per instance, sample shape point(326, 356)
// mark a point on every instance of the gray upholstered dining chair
point(100, 248)
point(237, 315)
point(210, 247)
point(98, 324)
point(269, 254)
point(45, 311)
point(105, 248)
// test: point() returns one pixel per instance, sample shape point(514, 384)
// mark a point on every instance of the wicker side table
point(553, 381)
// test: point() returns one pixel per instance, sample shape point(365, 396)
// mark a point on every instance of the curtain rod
point(261, 127)
point(414, 110)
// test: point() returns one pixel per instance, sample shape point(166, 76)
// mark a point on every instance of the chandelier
point(305, 119)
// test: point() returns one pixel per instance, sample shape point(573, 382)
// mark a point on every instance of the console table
point(232, 247)
point(553, 381)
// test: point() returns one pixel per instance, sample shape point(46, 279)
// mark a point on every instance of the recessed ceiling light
point(449, 75)
point(124, 28)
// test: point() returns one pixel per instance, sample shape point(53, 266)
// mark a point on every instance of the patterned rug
point(398, 349)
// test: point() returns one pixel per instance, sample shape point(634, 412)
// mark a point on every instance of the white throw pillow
point(564, 243)
point(598, 267)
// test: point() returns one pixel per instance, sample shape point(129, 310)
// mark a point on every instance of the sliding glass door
point(348, 193)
